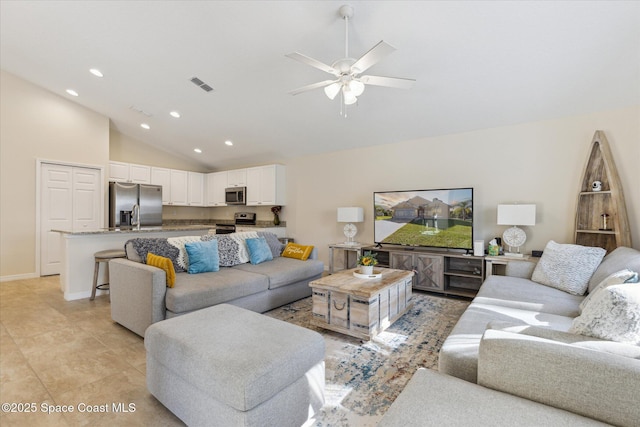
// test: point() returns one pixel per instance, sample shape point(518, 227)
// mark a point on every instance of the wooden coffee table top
point(346, 282)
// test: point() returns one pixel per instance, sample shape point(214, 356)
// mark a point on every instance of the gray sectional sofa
point(511, 360)
point(140, 296)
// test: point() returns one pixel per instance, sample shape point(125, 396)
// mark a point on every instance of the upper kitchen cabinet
point(196, 189)
point(175, 185)
point(237, 178)
point(216, 183)
point(127, 172)
point(179, 188)
point(162, 176)
point(266, 185)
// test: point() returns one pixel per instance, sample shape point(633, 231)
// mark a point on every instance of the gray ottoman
point(227, 366)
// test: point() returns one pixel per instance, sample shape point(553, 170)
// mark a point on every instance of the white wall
point(539, 163)
point(37, 124)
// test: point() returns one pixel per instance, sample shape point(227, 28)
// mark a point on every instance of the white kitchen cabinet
point(175, 185)
point(266, 185)
point(216, 183)
point(196, 189)
point(140, 174)
point(162, 176)
point(179, 188)
point(118, 171)
point(237, 178)
point(127, 172)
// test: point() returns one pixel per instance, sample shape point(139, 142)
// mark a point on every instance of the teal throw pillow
point(203, 256)
point(259, 250)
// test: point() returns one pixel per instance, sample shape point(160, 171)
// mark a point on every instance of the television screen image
point(430, 218)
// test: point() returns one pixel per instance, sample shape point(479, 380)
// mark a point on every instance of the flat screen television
point(426, 218)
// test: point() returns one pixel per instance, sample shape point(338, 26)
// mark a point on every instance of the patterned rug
point(364, 378)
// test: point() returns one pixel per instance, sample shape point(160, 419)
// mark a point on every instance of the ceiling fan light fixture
point(348, 96)
point(356, 87)
point(332, 90)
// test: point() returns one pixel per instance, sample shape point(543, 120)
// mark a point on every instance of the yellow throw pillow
point(294, 250)
point(165, 264)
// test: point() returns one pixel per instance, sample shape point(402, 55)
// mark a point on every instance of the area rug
point(364, 378)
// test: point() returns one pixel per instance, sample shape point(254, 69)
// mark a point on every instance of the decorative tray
point(376, 275)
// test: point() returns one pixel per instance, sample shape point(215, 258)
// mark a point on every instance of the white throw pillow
point(612, 314)
point(567, 267)
point(617, 278)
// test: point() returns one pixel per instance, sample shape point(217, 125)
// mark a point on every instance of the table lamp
point(515, 215)
point(350, 215)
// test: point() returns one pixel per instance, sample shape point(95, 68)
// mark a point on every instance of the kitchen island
point(76, 275)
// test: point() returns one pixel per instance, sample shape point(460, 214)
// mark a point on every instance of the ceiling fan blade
point(312, 86)
point(313, 62)
point(394, 82)
point(373, 56)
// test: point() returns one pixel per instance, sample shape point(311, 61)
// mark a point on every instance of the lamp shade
point(516, 214)
point(351, 214)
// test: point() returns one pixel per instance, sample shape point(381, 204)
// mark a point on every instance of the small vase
point(366, 269)
point(276, 219)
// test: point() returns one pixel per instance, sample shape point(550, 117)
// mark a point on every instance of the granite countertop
point(150, 229)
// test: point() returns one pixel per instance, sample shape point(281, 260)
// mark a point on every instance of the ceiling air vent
point(202, 85)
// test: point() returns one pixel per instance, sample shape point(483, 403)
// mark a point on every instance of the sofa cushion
point(612, 313)
point(617, 260)
point(525, 294)
point(203, 256)
point(196, 291)
point(595, 384)
point(284, 271)
point(459, 353)
point(164, 264)
point(617, 278)
point(567, 267)
point(179, 242)
point(259, 250)
point(158, 245)
point(296, 251)
point(274, 243)
point(434, 399)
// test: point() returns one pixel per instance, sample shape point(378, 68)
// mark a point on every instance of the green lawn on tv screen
point(458, 236)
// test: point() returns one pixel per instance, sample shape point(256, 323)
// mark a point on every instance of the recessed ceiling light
point(72, 92)
point(175, 114)
point(96, 72)
point(145, 126)
point(197, 150)
point(229, 143)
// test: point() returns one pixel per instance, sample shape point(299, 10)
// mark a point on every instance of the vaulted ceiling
point(477, 65)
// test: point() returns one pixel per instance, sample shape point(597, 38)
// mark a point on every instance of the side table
point(521, 267)
point(346, 248)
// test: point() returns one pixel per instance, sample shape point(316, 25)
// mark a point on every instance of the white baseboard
point(18, 277)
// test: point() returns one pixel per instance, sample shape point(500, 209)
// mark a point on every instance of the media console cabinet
point(444, 272)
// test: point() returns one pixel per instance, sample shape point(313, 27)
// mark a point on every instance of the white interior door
point(56, 213)
point(86, 199)
point(71, 200)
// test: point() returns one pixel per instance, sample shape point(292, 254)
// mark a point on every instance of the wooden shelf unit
point(591, 205)
point(443, 272)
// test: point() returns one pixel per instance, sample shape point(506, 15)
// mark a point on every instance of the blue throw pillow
point(203, 256)
point(259, 250)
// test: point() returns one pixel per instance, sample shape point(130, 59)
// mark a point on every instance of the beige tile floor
point(57, 353)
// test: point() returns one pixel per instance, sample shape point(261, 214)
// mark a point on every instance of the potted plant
point(367, 261)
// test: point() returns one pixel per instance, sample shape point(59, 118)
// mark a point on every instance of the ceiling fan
point(349, 81)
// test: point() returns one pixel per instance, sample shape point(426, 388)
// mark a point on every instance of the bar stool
point(104, 256)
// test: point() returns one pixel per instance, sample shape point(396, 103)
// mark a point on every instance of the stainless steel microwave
point(235, 195)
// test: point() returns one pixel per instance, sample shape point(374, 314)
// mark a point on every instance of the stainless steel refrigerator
point(130, 202)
